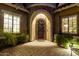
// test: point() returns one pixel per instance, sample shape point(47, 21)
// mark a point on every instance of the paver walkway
point(37, 48)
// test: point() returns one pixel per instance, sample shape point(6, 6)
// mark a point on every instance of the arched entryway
point(40, 25)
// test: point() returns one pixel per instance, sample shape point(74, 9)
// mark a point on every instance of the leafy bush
point(7, 39)
point(58, 39)
point(1, 33)
point(22, 38)
point(10, 39)
point(63, 40)
point(2, 39)
point(69, 38)
point(77, 41)
point(2, 42)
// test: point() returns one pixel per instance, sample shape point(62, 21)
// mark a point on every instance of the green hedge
point(63, 40)
point(77, 41)
point(11, 39)
point(22, 38)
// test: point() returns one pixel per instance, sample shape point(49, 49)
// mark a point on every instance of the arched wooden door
point(40, 29)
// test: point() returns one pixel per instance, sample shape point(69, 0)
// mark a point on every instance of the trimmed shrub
point(2, 42)
point(76, 44)
point(10, 39)
point(69, 38)
point(22, 38)
point(63, 40)
point(77, 41)
point(2, 39)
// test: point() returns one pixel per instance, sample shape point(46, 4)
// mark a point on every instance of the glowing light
point(66, 25)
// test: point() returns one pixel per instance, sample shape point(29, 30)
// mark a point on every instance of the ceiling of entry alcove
point(30, 5)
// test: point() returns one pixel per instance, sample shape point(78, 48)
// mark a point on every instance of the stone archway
point(43, 14)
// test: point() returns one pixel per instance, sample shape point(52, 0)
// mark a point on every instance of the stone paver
point(37, 48)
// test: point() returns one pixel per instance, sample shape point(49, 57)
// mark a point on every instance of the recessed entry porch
point(40, 26)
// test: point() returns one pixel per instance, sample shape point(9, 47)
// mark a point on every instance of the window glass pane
point(65, 25)
point(7, 22)
point(69, 24)
point(5, 26)
point(15, 17)
point(5, 30)
point(14, 21)
point(16, 24)
point(18, 20)
point(72, 24)
point(14, 30)
point(10, 16)
point(11, 22)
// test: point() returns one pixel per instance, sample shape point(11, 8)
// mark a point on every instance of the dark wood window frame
point(68, 24)
point(13, 14)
